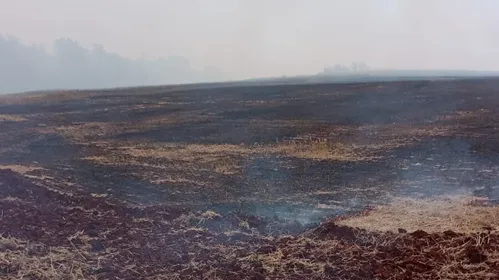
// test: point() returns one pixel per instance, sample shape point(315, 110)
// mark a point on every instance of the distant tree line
point(24, 68)
point(355, 67)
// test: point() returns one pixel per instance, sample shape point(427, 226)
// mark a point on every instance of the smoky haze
point(26, 68)
point(248, 39)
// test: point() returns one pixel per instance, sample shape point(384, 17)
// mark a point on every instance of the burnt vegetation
point(255, 182)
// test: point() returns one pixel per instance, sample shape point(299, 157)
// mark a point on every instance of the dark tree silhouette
point(24, 68)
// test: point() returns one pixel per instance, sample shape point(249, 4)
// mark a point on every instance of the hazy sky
point(254, 38)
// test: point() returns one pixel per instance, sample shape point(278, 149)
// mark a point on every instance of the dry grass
point(184, 152)
point(23, 260)
point(321, 151)
point(398, 135)
point(45, 97)
point(174, 179)
point(464, 115)
point(80, 132)
point(12, 118)
point(225, 159)
point(186, 163)
point(312, 147)
point(280, 263)
point(460, 213)
point(83, 132)
point(209, 153)
point(21, 169)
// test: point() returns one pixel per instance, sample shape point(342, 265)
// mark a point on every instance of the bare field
point(340, 181)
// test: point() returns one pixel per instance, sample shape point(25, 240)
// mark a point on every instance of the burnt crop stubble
point(334, 181)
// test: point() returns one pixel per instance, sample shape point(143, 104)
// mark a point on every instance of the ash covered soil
point(270, 182)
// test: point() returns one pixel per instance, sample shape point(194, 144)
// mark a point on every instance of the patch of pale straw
point(12, 118)
point(22, 260)
point(21, 169)
point(464, 214)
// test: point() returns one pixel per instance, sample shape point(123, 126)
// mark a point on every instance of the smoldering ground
point(304, 151)
point(218, 183)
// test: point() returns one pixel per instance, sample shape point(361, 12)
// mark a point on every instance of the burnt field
point(278, 182)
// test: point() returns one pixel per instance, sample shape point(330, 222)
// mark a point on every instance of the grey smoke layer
point(26, 68)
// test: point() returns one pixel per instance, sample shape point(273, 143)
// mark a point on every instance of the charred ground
point(243, 174)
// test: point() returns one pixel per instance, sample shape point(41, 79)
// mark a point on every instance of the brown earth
point(268, 182)
point(49, 235)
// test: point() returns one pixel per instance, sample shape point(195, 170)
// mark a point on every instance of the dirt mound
point(50, 235)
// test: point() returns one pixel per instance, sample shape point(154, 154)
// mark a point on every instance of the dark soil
point(271, 218)
point(125, 242)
